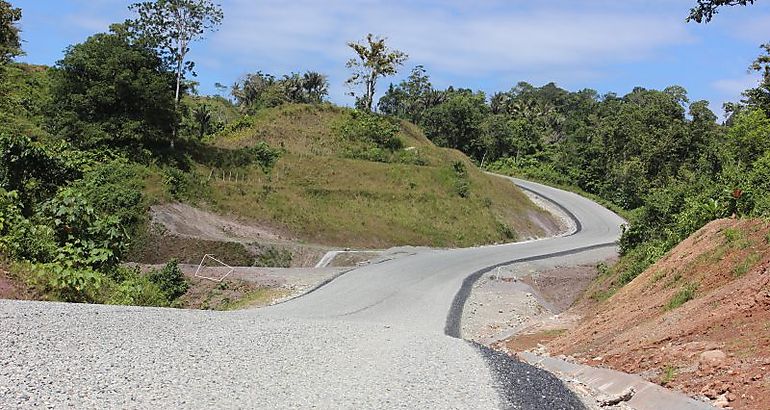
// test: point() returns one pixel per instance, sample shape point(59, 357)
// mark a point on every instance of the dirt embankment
point(697, 321)
point(185, 233)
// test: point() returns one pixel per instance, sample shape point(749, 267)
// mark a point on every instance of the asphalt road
point(382, 336)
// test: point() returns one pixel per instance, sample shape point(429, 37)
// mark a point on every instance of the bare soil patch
point(697, 321)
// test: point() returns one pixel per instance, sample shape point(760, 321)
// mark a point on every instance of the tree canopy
point(374, 59)
point(10, 43)
point(705, 10)
point(111, 90)
point(172, 25)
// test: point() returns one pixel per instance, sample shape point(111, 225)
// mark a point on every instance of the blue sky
point(607, 45)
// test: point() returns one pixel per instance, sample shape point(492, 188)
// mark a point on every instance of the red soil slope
point(717, 344)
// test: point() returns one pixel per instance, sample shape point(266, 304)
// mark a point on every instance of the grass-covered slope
point(331, 185)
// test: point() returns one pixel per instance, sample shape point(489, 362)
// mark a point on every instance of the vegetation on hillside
point(115, 126)
point(86, 146)
point(662, 159)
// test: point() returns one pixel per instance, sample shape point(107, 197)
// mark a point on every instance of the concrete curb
point(647, 396)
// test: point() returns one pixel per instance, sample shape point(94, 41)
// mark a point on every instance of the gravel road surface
point(381, 336)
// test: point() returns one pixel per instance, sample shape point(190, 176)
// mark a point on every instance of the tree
point(112, 91)
point(373, 60)
point(706, 9)
point(172, 25)
point(457, 123)
point(202, 116)
point(410, 98)
point(10, 43)
point(260, 90)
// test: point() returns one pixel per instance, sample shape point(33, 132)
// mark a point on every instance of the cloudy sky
point(607, 45)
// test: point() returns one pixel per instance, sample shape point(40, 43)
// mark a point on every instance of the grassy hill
point(333, 185)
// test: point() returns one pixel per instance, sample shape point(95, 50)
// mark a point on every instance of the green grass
point(736, 238)
point(684, 295)
point(658, 275)
point(256, 298)
point(318, 194)
point(745, 265)
point(669, 374)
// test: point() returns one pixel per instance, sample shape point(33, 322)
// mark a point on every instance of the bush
point(85, 238)
point(20, 238)
point(462, 183)
point(114, 188)
point(170, 280)
point(67, 283)
point(274, 258)
point(138, 290)
point(372, 128)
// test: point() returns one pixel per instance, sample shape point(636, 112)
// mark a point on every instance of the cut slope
point(318, 192)
point(698, 320)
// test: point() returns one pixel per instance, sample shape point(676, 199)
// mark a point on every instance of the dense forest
point(78, 139)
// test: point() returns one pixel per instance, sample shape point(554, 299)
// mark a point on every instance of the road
point(381, 336)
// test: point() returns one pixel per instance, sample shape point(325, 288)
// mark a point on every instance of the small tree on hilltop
point(373, 60)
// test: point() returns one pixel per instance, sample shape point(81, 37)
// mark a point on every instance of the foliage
point(10, 43)
point(112, 91)
point(259, 90)
point(373, 60)
point(171, 26)
point(706, 9)
point(170, 280)
point(137, 290)
point(22, 238)
point(684, 295)
point(84, 237)
point(371, 128)
point(67, 283)
point(35, 170)
point(457, 122)
point(24, 99)
point(410, 98)
point(462, 183)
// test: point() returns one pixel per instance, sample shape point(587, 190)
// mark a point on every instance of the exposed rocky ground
point(715, 346)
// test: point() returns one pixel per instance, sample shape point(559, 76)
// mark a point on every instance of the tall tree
point(172, 25)
point(706, 9)
point(373, 60)
point(112, 91)
point(10, 44)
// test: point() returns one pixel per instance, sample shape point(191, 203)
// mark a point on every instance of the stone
point(722, 402)
point(713, 356)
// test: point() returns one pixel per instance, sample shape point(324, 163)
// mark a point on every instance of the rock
point(713, 356)
point(722, 402)
point(626, 395)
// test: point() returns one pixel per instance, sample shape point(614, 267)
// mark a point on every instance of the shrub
point(462, 183)
point(138, 290)
point(170, 280)
point(84, 237)
point(274, 257)
point(373, 128)
point(20, 238)
point(67, 283)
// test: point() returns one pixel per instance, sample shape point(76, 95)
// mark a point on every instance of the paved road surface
point(377, 337)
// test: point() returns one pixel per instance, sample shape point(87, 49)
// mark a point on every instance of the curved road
point(381, 336)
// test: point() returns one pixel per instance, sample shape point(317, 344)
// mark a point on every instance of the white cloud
point(449, 37)
point(733, 87)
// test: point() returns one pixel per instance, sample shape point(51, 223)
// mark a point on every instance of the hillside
point(331, 187)
point(697, 321)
